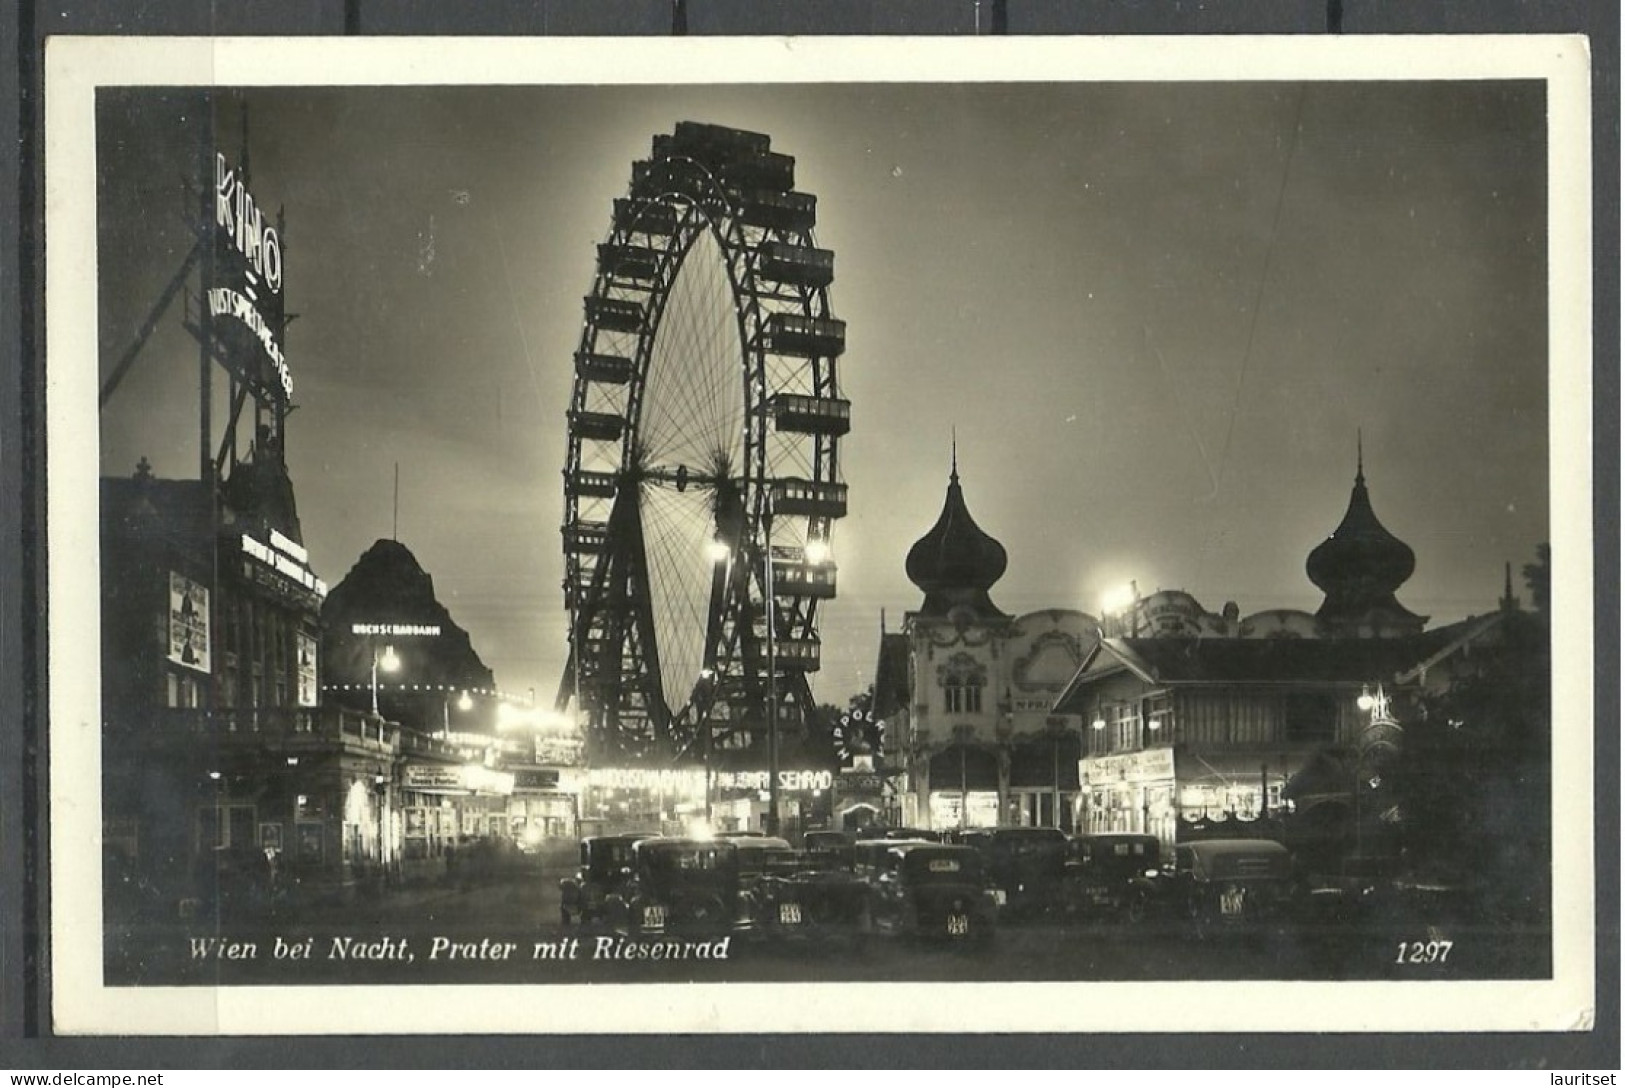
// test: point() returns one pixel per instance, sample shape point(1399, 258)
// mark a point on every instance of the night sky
point(1156, 316)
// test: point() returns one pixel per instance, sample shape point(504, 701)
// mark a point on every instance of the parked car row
point(653, 885)
point(888, 881)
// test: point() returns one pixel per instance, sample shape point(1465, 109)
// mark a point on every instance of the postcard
point(777, 535)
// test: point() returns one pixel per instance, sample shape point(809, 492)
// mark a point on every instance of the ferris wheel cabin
point(703, 141)
point(629, 262)
point(804, 266)
point(801, 414)
point(809, 498)
point(795, 575)
point(798, 654)
point(609, 369)
point(586, 537)
point(645, 218)
point(598, 426)
point(615, 314)
point(795, 212)
point(590, 485)
point(799, 334)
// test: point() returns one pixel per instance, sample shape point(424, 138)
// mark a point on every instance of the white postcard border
point(75, 67)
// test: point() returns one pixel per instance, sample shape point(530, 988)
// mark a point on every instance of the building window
point(182, 691)
point(1158, 713)
point(1123, 723)
point(962, 680)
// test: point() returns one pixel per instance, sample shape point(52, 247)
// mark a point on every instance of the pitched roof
point(1185, 661)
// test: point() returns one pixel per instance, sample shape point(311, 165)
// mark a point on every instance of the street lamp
point(1056, 731)
point(1118, 601)
point(389, 661)
point(465, 703)
point(772, 679)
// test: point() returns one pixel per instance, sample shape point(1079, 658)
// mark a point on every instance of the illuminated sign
point(465, 778)
point(248, 250)
point(396, 630)
point(188, 623)
point(536, 779)
point(692, 779)
point(558, 749)
point(284, 565)
point(852, 782)
point(1151, 765)
point(427, 776)
point(293, 548)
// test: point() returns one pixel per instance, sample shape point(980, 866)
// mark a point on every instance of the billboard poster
point(305, 649)
point(188, 623)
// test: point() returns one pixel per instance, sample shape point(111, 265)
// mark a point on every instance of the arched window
point(962, 680)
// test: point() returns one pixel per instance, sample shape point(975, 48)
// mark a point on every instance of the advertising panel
point(305, 648)
point(188, 623)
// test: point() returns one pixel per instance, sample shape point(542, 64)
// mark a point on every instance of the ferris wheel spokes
point(705, 412)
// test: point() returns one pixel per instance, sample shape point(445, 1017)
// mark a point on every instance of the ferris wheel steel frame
point(728, 186)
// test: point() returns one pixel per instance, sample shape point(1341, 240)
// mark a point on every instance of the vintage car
point(681, 886)
point(926, 890)
point(807, 894)
point(606, 866)
point(1025, 864)
point(1231, 884)
point(1112, 875)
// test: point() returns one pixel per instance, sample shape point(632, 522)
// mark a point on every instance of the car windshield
point(1037, 841)
point(1116, 853)
point(688, 864)
point(1232, 863)
point(925, 865)
point(606, 856)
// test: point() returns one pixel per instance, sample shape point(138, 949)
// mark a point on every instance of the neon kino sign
point(242, 226)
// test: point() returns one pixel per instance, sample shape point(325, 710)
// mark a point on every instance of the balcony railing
point(293, 727)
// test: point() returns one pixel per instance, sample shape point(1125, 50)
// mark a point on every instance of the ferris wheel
point(702, 479)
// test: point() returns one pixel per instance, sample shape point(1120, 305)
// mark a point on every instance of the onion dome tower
point(956, 563)
point(1359, 567)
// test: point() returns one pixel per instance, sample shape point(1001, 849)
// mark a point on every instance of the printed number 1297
point(1424, 951)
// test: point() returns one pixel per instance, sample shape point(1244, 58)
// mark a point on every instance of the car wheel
point(1134, 909)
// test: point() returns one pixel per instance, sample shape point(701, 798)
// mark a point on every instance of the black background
point(26, 1042)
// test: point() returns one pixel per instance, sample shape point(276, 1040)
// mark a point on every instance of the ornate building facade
point(1196, 720)
point(966, 689)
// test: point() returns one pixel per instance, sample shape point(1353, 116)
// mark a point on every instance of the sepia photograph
point(1084, 534)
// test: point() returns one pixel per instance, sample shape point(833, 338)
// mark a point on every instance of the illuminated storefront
point(1130, 792)
point(441, 802)
point(1166, 793)
point(675, 800)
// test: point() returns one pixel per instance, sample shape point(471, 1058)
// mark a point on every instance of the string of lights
point(502, 696)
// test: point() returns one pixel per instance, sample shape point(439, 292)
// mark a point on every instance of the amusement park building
point(966, 690)
point(1158, 718)
point(1195, 721)
point(513, 781)
point(218, 752)
point(225, 766)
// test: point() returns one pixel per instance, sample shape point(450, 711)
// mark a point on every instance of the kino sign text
point(251, 252)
